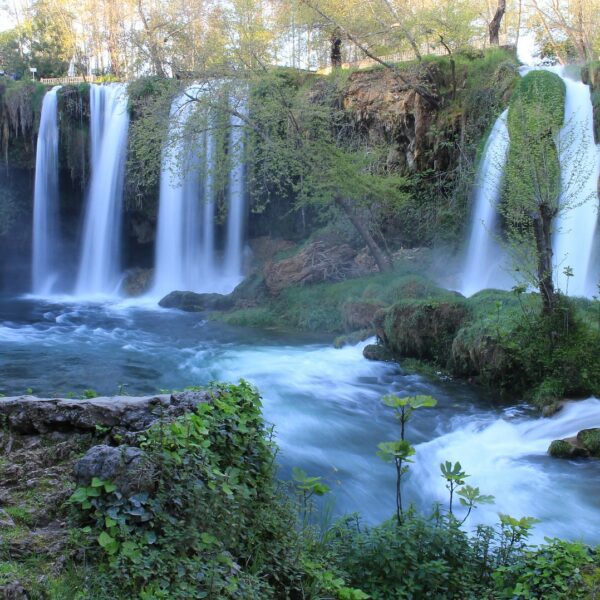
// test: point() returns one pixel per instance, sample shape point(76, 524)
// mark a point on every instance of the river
point(325, 404)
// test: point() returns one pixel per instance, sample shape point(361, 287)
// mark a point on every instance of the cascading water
point(178, 238)
point(236, 207)
point(512, 464)
point(573, 240)
point(186, 255)
point(100, 258)
point(485, 257)
point(580, 168)
point(45, 202)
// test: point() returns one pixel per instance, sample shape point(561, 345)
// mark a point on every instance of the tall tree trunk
point(336, 48)
point(495, 23)
point(542, 227)
point(383, 260)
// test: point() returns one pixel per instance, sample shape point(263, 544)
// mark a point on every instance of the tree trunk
point(336, 48)
point(495, 23)
point(383, 260)
point(542, 226)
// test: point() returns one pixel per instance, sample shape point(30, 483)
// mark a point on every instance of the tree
point(535, 192)
point(494, 26)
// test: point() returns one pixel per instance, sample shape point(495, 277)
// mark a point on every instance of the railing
point(67, 80)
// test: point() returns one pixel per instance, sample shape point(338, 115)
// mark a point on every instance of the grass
point(320, 307)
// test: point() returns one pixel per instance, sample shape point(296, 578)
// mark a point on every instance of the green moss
point(590, 440)
point(560, 449)
point(532, 171)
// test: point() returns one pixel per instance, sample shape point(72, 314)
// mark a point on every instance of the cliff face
point(419, 135)
point(385, 111)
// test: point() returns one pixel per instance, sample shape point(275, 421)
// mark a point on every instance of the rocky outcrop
point(377, 352)
point(192, 302)
point(49, 446)
point(584, 445)
point(386, 110)
point(30, 415)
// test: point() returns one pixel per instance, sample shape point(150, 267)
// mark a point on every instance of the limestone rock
point(192, 302)
point(122, 465)
point(567, 448)
point(377, 352)
point(585, 444)
point(30, 415)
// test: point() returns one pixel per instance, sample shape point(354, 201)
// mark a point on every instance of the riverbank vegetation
point(157, 530)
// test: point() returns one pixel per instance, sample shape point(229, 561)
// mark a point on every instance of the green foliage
point(557, 570)
point(400, 451)
point(211, 467)
point(532, 174)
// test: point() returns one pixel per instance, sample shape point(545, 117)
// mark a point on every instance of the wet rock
point(551, 409)
point(30, 415)
point(567, 448)
point(192, 302)
point(377, 352)
point(584, 445)
point(122, 465)
point(590, 440)
point(137, 282)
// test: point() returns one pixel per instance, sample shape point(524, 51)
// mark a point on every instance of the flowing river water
point(324, 402)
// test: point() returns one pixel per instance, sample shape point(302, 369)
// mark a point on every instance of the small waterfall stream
point(485, 257)
point(99, 267)
point(580, 168)
point(237, 205)
point(187, 256)
point(45, 202)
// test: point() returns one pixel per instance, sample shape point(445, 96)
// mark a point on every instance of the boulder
point(567, 448)
point(377, 352)
point(192, 302)
point(585, 444)
point(30, 415)
point(122, 465)
point(13, 591)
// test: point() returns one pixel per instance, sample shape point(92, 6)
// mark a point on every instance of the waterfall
point(45, 201)
point(100, 257)
point(179, 220)
point(236, 206)
point(186, 244)
point(574, 235)
point(575, 228)
point(485, 258)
